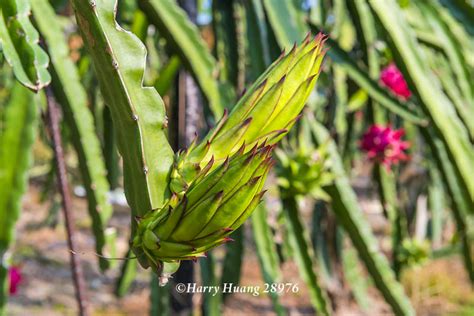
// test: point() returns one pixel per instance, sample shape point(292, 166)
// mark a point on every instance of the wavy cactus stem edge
point(217, 183)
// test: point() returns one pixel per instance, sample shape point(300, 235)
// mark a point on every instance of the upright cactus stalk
point(350, 216)
point(138, 112)
point(17, 133)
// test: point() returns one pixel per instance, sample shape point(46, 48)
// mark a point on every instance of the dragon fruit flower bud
point(217, 183)
point(214, 205)
point(14, 275)
point(303, 171)
point(265, 112)
point(392, 78)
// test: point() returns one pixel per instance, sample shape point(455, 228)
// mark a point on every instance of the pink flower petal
point(392, 78)
point(384, 145)
point(15, 279)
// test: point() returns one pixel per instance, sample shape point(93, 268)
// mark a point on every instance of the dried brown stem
point(52, 122)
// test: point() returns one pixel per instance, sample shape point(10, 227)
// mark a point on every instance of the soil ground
point(439, 288)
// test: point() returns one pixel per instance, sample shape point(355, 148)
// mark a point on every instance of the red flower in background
point(392, 78)
point(15, 279)
point(384, 145)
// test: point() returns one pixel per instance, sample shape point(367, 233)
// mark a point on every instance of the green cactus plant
point(304, 256)
point(18, 130)
point(414, 252)
point(128, 272)
point(72, 97)
point(349, 215)
point(215, 184)
point(137, 112)
point(19, 42)
point(303, 171)
point(267, 254)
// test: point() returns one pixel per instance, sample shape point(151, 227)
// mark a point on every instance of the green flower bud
point(212, 194)
point(303, 173)
point(303, 169)
point(215, 204)
point(264, 113)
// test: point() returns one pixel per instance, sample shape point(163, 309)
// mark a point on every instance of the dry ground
point(41, 251)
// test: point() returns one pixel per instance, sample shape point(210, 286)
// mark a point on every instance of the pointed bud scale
point(307, 38)
point(231, 209)
point(248, 211)
point(219, 195)
point(292, 108)
point(293, 49)
point(206, 169)
point(198, 189)
point(192, 222)
point(263, 144)
point(219, 125)
point(241, 150)
point(251, 155)
point(241, 94)
point(248, 102)
point(282, 54)
point(229, 142)
point(164, 231)
point(263, 110)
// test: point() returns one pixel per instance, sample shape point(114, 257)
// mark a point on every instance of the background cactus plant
point(373, 180)
point(19, 121)
point(20, 45)
point(72, 95)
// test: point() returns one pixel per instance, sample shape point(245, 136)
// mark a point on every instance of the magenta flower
point(15, 279)
point(384, 145)
point(392, 78)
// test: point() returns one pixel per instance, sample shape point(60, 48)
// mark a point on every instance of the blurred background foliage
point(390, 122)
